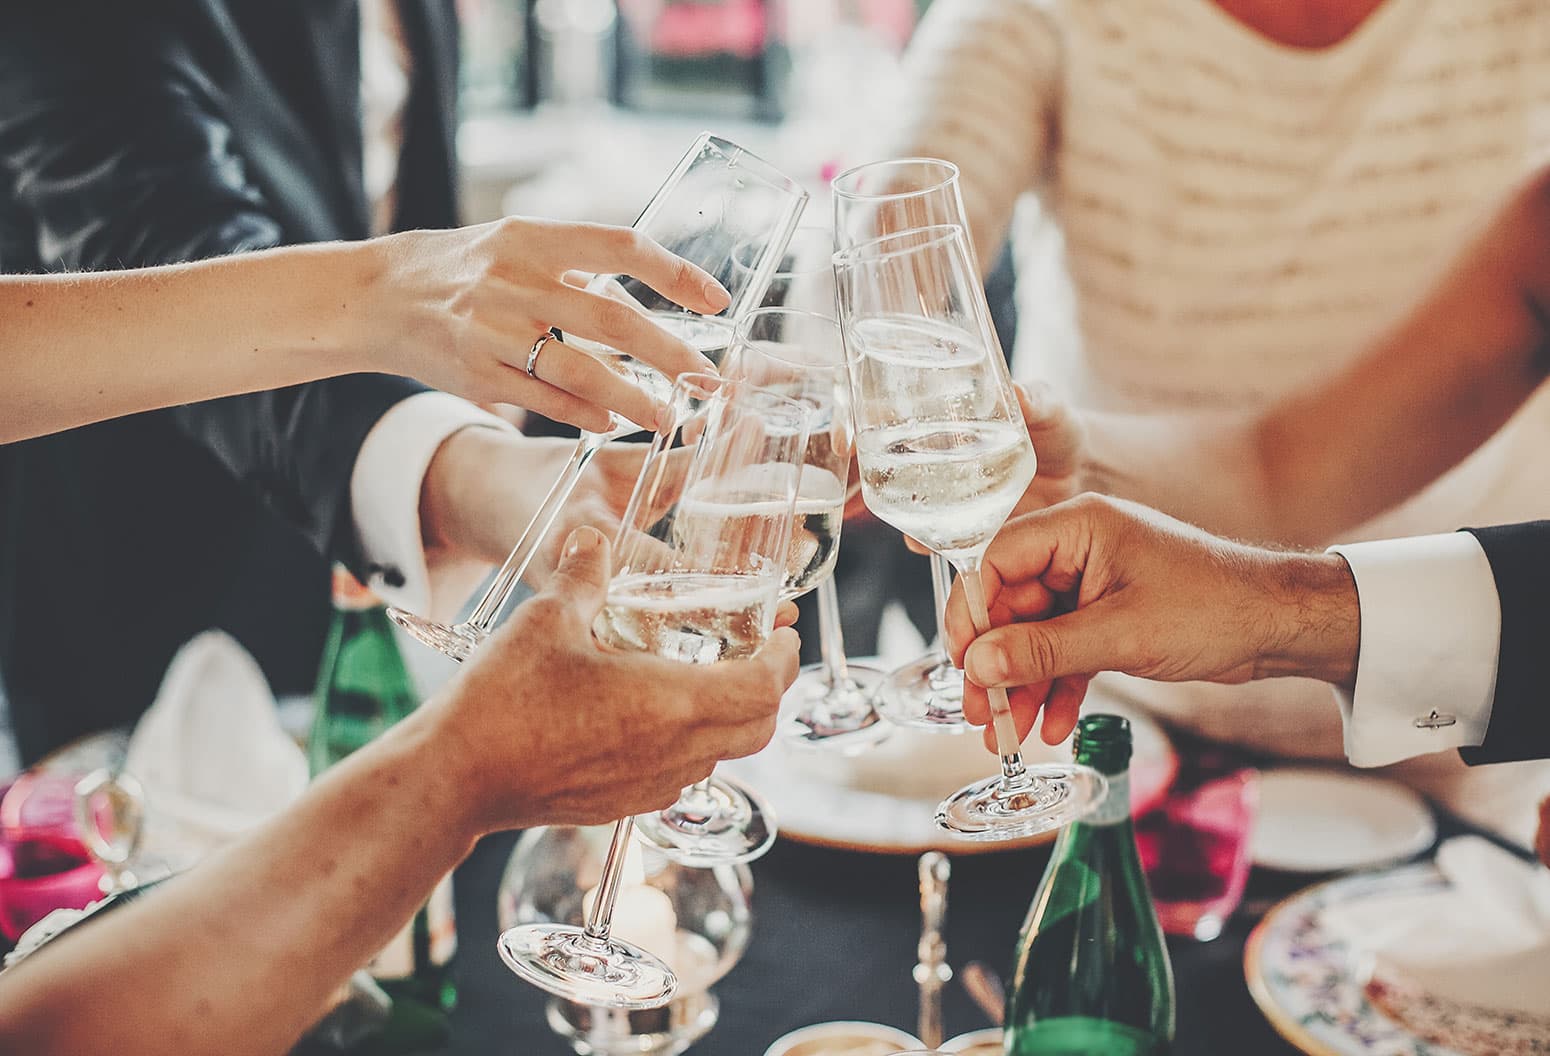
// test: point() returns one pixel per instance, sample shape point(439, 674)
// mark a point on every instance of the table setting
point(873, 882)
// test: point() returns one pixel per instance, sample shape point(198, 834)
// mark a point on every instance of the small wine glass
point(945, 457)
point(698, 568)
point(719, 197)
point(799, 354)
point(870, 201)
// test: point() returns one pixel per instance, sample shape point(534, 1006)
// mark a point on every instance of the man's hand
point(484, 486)
point(546, 727)
point(1096, 584)
point(461, 309)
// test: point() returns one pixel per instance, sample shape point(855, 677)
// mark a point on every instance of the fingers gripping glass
point(945, 456)
point(718, 198)
point(699, 564)
point(871, 201)
point(799, 355)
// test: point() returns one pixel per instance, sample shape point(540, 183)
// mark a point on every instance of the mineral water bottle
point(1092, 976)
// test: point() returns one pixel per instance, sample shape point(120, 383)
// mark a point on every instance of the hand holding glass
point(718, 198)
point(945, 457)
point(698, 569)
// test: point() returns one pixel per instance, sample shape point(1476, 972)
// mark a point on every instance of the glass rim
point(878, 249)
point(952, 174)
point(740, 335)
point(741, 157)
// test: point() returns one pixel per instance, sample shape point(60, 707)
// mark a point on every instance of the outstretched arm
point(1427, 393)
point(238, 956)
point(456, 309)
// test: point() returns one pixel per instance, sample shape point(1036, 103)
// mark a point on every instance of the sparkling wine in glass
point(694, 589)
point(945, 457)
point(799, 354)
point(871, 201)
point(719, 198)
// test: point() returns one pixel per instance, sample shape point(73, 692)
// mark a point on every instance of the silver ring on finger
point(533, 353)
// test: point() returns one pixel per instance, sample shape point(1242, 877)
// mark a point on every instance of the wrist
point(1314, 624)
point(354, 276)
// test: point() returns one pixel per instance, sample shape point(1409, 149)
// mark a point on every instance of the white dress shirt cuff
point(1431, 629)
point(385, 504)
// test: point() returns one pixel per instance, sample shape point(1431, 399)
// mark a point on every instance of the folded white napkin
point(1484, 940)
point(210, 752)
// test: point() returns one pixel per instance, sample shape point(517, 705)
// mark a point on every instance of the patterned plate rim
point(1259, 988)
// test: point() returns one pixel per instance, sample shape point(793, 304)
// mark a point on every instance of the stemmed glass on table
point(799, 354)
point(945, 457)
point(871, 201)
point(699, 565)
point(718, 198)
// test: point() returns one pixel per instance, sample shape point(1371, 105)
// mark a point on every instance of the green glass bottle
point(363, 688)
point(1092, 976)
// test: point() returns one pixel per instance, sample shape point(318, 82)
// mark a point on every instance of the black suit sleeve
point(1520, 715)
point(116, 147)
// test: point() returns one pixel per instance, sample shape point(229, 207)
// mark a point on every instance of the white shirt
point(390, 467)
point(1430, 635)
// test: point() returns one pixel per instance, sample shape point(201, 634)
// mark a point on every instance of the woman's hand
point(461, 310)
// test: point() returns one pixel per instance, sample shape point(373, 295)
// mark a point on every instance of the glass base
point(458, 640)
point(730, 824)
point(836, 718)
point(1052, 796)
point(561, 959)
point(924, 695)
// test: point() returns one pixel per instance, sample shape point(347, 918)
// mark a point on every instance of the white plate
point(1320, 821)
point(885, 799)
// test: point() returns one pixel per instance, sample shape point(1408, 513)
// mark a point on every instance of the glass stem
point(496, 598)
point(1014, 775)
point(941, 583)
point(831, 638)
point(602, 917)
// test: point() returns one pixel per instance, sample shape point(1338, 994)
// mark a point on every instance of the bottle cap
point(1103, 743)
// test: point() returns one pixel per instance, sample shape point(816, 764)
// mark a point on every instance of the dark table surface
point(834, 938)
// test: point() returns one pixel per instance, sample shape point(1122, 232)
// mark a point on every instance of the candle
point(642, 913)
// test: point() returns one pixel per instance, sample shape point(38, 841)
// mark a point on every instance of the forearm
point(1423, 396)
point(80, 348)
point(286, 913)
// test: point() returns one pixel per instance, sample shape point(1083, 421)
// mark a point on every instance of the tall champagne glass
point(699, 563)
point(799, 354)
point(719, 197)
point(945, 456)
point(871, 201)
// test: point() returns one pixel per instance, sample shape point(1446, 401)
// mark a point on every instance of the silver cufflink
point(1434, 721)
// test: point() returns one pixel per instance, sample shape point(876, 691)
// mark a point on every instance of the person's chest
point(1239, 215)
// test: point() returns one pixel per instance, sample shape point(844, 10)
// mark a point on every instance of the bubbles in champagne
point(691, 617)
point(950, 485)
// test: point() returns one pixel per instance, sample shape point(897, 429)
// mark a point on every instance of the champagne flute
point(719, 196)
point(871, 201)
point(799, 354)
point(698, 568)
point(945, 456)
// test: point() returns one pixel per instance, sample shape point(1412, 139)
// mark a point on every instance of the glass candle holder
point(698, 920)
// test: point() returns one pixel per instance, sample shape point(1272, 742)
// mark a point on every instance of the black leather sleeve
point(116, 151)
point(1520, 715)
